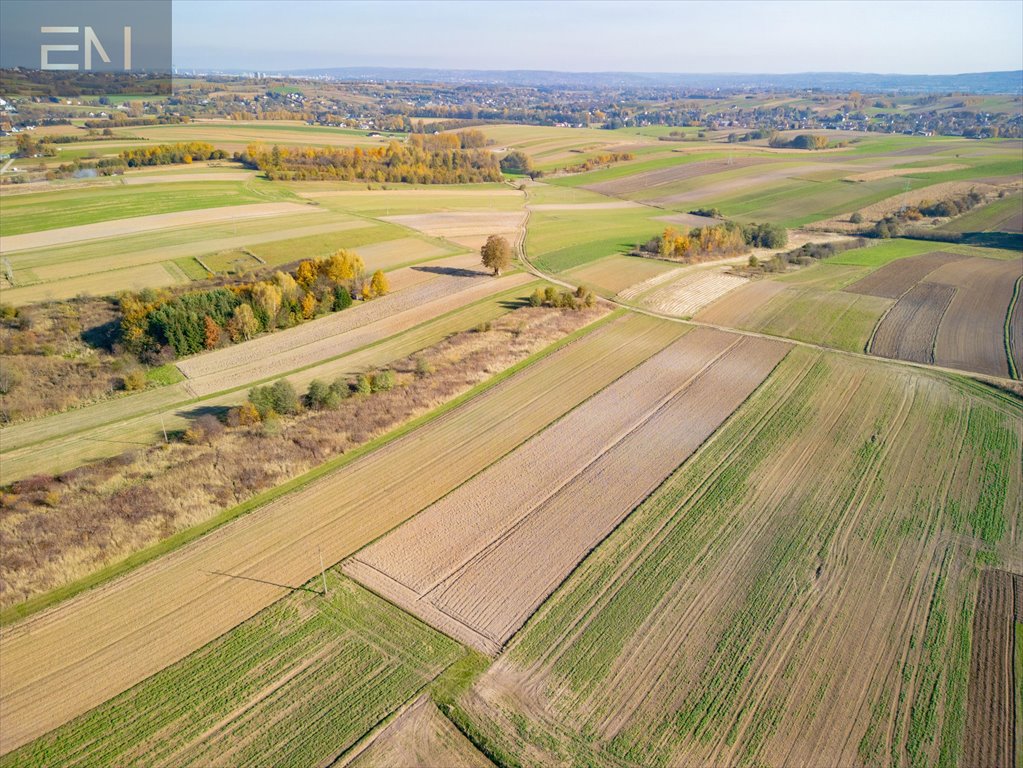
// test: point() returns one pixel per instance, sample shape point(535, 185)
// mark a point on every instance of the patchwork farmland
point(604, 509)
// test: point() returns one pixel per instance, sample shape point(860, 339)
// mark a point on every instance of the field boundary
point(34, 605)
point(1007, 329)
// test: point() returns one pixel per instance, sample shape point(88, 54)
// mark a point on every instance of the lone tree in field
point(496, 253)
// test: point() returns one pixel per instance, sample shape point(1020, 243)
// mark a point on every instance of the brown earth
point(990, 715)
point(479, 563)
point(738, 308)
point(972, 332)
point(895, 278)
point(907, 332)
point(663, 176)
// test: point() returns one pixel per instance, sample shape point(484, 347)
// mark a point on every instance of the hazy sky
point(909, 36)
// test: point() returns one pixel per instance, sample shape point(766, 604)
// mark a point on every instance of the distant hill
point(973, 82)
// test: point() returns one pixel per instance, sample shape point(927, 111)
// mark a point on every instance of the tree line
point(713, 241)
point(424, 159)
point(171, 154)
point(158, 326)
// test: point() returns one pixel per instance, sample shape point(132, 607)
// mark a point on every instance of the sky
point(905, 36)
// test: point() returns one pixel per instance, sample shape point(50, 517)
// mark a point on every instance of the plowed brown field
point(907, 332)
point(478, 563)
point(892, 280)
point(738, 308)
point(972, 332)
point(990, 715)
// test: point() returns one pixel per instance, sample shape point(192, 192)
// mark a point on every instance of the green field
point(560, 240)
point(988, 218)
point(73, 207)
point(297, 684)
point(754, 596)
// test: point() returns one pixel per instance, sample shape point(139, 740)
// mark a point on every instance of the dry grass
point(111, 638)
point(47, 366)
point(57, 530)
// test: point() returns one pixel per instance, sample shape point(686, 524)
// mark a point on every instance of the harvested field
point(171, 178)
point(972, 336)
point(405, 250)
point(890, 205)
point(277, 353)
point(738, 308)
point(908, 331)
point(105, 643)
point(295, 685)
point(478, 563)
point(616, 273)
point(641, 182)
point(421, 736)
point(636, 289)
point(52, 237)
point(990, 716)
point(159, 275)
point(468, 228)
point(693, 292)
point(689, 220)
point(895, 278)
point(886, 173)
point(800, 592)
point(608, 206)
point(55, 444)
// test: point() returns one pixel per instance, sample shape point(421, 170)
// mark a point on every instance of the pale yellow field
point(62, 662)
point(136, 224)
point(156, 275)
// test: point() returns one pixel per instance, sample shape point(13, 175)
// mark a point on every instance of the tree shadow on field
point(452, 271)
point(217, 411)
point(264, 581)
point(1008, 240)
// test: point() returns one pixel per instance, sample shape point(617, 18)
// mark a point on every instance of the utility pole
point(323, 573)
point(164, 427)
